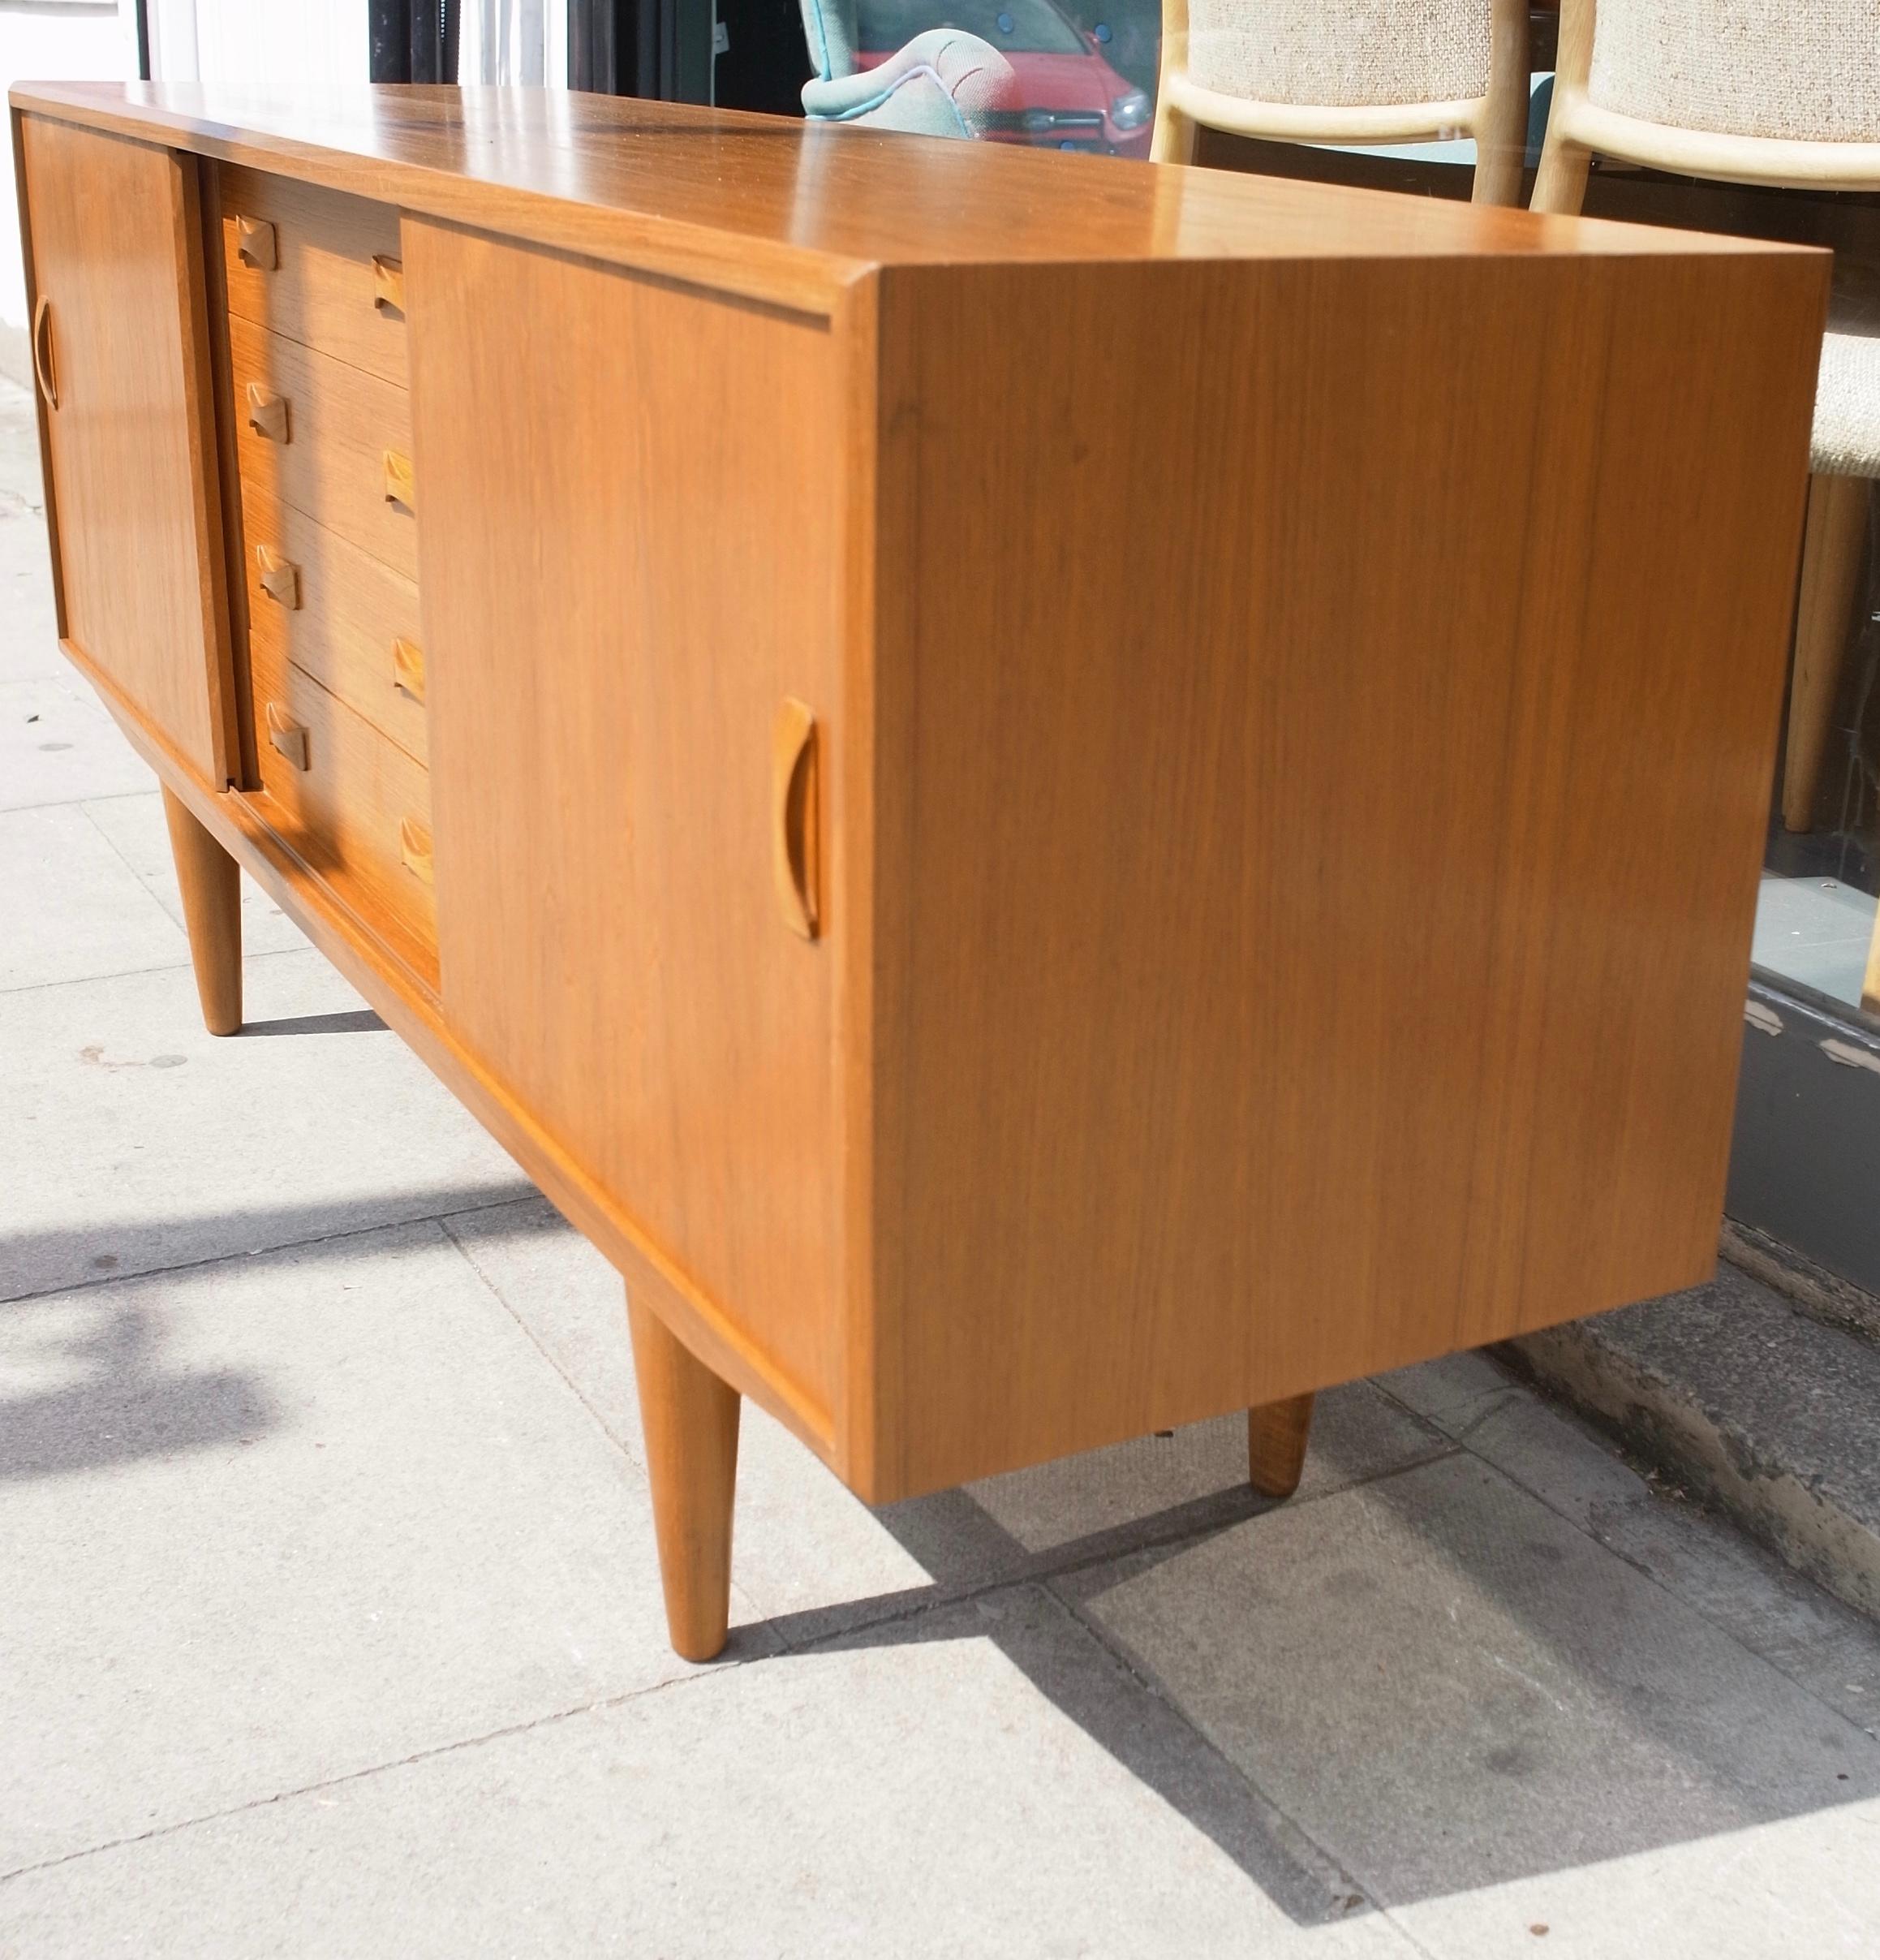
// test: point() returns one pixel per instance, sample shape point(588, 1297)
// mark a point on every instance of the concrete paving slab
point(1448, 1686)
point(802, 1545)
point(1761, 1408)
point(137, 1141)
point(136, 829)
point(29, 646)
point(1831, 1650)
point(274, 1521)
point(1357, 1433)
point(918, 1799)
point(20, 487)
point(1452, 1392)
point(75, 909)
point(1808, 1888)
point(817, 1559)
point(1546, 1452)
point(58, 745)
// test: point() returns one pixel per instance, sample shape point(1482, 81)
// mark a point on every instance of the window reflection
point(1083, 82)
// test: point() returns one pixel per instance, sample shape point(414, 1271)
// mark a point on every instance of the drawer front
point(351, 803)
point(339, 615)
point(316, 267)
point(332, 441)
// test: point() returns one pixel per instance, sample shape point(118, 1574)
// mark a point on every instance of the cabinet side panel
point(117, 257)
point(1324, 717)
point(631, 519)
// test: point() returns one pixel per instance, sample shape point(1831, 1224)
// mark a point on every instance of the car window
point(1014, 26)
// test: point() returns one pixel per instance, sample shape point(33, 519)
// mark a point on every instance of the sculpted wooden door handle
point(388, 284)
point(796, 844)
point(268, 413)
point(280, 577)
point(415, 848)
point(401, 487)
point(255, 243)
point(42, 368)
point(408, 669)
point(287, 736)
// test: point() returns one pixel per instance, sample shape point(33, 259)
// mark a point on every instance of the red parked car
point(1070, 97)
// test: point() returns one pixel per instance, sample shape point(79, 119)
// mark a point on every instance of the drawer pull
point(255, 243)
point(415, 848)
point(408, 668)
point(388, 285)
point(795, 842)
point(268, 413)
point(280, 577)
point(399, 487)
point(286, 735)
point(42, 368)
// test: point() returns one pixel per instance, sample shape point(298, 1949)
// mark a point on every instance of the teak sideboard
point(1051, 797)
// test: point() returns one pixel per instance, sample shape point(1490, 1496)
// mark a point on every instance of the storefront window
point(1073, 90)
point(1815, 923)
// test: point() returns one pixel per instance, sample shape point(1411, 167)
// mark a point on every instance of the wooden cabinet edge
point(245, 771)
point(794, 278)
point(17, 116)
point(199, 380)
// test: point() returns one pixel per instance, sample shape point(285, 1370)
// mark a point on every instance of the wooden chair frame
point(1835, 550)
point(1497, 121)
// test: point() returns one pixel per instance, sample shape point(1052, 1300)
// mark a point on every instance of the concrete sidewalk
point(330, 1620)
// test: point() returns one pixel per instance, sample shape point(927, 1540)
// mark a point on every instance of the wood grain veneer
point(1271, 932)
point(609, 645)
point(116, 260)
point(352, 615)
point(323, 287)
point(339, 423)
point(775, 208)
point(342, 810)
point(1062, 796)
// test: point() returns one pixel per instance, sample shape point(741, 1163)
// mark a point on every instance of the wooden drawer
point(316, 267)
point(339, 615)
point(340, 447)
point(359, 812)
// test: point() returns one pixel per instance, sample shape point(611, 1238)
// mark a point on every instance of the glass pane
point(1013, 27)
point(1815, 916)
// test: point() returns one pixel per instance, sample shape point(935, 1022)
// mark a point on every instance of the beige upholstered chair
point(1770, 92)
point(1351, 72)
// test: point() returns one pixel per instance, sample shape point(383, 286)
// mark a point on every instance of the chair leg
point(689, 1416)
point(212, 914)
point(1831, 561)
point(1276, 1433)
point(1174, 140)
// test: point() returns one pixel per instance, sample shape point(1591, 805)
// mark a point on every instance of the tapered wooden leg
point(1276, 1434)
point(212, 914)
point(1833, 553)
point(691, 1420)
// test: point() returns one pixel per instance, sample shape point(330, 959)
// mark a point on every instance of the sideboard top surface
point(792, 211)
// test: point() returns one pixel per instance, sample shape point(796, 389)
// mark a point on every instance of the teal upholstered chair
point(944, 83)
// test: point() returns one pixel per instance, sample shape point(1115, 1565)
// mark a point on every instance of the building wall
point(302, 44)
point(51, 40)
